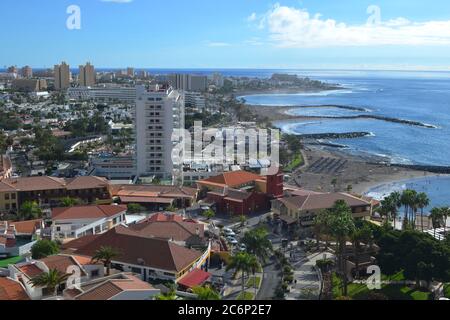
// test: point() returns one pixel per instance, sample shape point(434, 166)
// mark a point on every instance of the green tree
point(44, 248)
point(342, 227)
point(258, 243)
point(105, 255)
point(209, 214)
point(243, 262)
point(422, 202)
point(69, 202)
point(135, 208)
point(51, 280)
point(30, 210)
point(437, 218)
point(206, 293)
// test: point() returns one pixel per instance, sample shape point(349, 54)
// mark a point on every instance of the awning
point(287, 219)
point(194, 278)
point(146, 200)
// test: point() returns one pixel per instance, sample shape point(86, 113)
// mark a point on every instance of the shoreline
point(362, 172)
point(255, 92)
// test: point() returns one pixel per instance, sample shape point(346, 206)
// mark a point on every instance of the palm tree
point(206, 293)
point(321, 225)
point(436, 218)
point(396, 204)
point(363, 234)
point(422, 201)
point(105, 255)
point(51, 280)
point(30, 210)
point(258, 243)
point(341, 227)
point(242, 262)
point(445, 214)
point(408, 199)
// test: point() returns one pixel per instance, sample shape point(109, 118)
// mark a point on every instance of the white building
point(103, 94)
point(188, 82)
point(158, 112)
point(113, 167)
point(78, 221)
point(195, 101)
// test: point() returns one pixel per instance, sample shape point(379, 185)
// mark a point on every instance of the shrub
point(44, 248)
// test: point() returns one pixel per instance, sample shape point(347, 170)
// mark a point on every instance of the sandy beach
point(358, 172)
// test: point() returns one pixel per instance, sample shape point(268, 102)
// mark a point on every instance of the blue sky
point(229, 34)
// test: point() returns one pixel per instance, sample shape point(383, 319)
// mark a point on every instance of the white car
point(232, 240)
point(243, 247)
point(230, 233)
point(226, 230)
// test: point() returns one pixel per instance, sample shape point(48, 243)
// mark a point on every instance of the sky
point(308, 34)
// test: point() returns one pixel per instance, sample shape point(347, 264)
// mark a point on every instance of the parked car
point(243, 247)
point(232, 240)
point(230, 233)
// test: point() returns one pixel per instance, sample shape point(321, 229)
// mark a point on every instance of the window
point(95, 273)
point(6, 196)
point(136, 270)
point(13, 196)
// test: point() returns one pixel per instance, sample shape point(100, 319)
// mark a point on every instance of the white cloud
point(252, 17)
point(118, 1)
point(218, 44)
point(297, 28)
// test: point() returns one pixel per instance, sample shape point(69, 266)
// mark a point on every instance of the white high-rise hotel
point(159, 110)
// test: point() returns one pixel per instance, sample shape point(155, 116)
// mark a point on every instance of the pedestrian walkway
point(306, 284)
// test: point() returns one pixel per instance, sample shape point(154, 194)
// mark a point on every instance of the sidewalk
point(307, 286)
point(233, 287)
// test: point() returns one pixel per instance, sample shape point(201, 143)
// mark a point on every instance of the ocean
point(417, 96)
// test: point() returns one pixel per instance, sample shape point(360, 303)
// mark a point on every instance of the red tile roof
point(176, 230)
point(136, 249)
point(112, 287)
point(87, 212)
point(30, 270)
point(12, 290)
point(194, 278)
point(322, 201)
point(28, 227)
point(231, 179)
point(60, 263)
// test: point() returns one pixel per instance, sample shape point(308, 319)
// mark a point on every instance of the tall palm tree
point(359, 235)
point(258, 243)
point(51, 280)
point(396, 204)
point(423, 201)
point(408, 199)
point(436, 218)
point(242, 262)
point(445, 214)
point(341, 227)
point(105, 255)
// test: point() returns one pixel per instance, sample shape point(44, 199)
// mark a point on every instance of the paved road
point(270, 281)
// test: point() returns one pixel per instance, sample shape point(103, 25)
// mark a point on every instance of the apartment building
point(29, 85)
point(159, 111)
point(109, 94)
point(62, 76)
point(86, 75)
point(188, 82)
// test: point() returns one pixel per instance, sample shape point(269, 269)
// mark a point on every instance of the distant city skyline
point(204, 34)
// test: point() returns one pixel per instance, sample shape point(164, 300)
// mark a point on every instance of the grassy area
point(447, 290)
point(245, 296)
point(359, 291)
point(13, 260)
point(254, 282)
point(295, 163)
